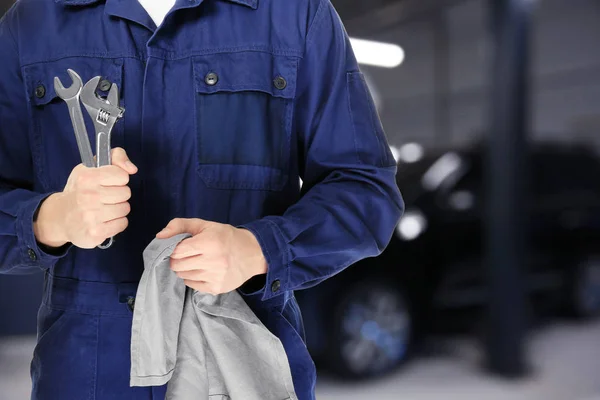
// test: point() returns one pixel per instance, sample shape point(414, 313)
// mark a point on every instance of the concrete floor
point(565, 361)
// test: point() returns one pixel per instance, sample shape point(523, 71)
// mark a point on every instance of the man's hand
point(218, 258)
point(92, 207)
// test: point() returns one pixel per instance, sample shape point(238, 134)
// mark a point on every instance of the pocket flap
point(246, 70)
point(39, 78)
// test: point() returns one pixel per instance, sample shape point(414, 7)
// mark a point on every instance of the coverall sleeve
point(19, 250)
point(350, 201)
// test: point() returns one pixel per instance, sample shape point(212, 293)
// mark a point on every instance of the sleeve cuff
point(275, 249)
point(34, 253)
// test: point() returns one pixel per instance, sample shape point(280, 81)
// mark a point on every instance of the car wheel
point(370, 332)
point(584, 290)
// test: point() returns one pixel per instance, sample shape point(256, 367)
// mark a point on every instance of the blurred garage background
point(490, 287)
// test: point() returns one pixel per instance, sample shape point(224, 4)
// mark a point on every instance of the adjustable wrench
point(71, 97)
point(104, 113)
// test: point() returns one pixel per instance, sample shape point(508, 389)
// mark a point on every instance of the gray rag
point(202, 346)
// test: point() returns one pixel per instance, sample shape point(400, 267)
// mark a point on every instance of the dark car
point(364, 321)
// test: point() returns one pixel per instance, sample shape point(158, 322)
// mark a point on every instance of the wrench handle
point(81, 136)
point(103, 149)
point(107, 243)
point(103, 158)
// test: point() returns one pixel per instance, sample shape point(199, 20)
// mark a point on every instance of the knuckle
point(123, 177)
point(81, 178)
point(123, 224)
point(93, 232)
point(118, 151)
point(125, 209)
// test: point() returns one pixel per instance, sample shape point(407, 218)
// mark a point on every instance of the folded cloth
point(202, 346)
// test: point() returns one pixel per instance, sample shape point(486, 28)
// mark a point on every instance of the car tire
point(583, 289)
point(371, 331)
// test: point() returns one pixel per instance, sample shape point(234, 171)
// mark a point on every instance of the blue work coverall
point(227, 104)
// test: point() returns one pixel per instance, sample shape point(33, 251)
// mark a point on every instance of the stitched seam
point(156, 376)
point(217, 50)
point(286, 256)
point(245, 164)
point(82, 55)
point(95, 363)
point(170, 55)
point(36, 139)
point(371, 117)
point(14, 41)
point(255, 86)
point(309, 34)
point(86, 311)
point(349, 79)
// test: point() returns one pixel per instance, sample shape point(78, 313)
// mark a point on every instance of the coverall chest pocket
point(244, 104)
point(54, 147)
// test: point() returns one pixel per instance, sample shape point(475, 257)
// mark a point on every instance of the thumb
point(182, 225)
point(120, 159)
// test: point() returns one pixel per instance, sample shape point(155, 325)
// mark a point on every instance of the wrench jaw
point(90, 98)
point(72, 91)
point(104, 113)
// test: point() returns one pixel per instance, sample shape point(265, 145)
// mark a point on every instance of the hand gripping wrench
point(104, 113)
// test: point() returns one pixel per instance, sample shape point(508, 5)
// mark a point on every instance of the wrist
point(47, 228)
point(258, 263)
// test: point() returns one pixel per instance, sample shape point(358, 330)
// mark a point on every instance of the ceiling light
point(411, 152)
point(378, 54)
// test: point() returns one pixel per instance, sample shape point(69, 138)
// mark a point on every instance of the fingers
point(189, 264)
point(203, 287)
point(115, 211)
point(110, 175)
point(120, 159)
point(188, 248)
point(177, 226)
point(116, 226)
point(115, 195)
point(196, 275)
point(98, 234)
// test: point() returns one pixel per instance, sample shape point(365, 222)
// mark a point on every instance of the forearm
point(20, 252)
point(347, 217)
point(47, 224)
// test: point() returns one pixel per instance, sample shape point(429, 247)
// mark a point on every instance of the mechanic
point(228, 104)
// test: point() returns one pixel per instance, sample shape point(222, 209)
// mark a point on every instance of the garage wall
point(565, 74)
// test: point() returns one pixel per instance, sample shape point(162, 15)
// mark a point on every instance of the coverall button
point(276, 286)
point(131, 303)
point(211, 79)
point(280, 82)
point(40, 91)
point(32, 255)
point(105, 85)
